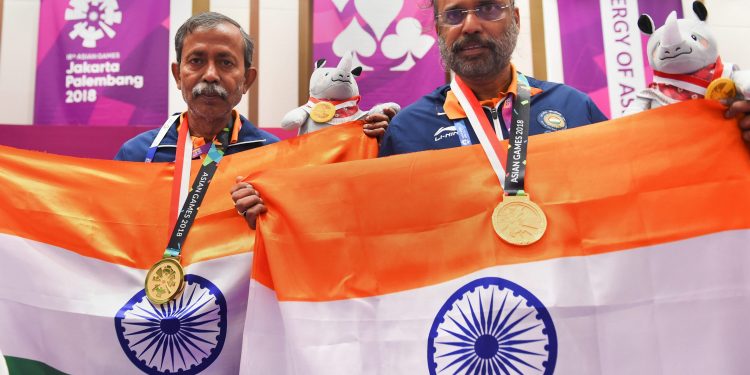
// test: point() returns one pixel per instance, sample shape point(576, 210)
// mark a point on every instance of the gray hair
point(210, 20)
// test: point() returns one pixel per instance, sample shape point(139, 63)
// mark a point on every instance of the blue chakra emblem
point(492, 326)
point(183, 336)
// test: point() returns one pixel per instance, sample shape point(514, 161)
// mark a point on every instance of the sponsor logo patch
point(445, 132)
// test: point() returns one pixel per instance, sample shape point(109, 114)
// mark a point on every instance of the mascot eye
point(695, 38)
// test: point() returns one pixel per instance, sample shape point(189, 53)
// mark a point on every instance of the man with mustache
point(213, 71)
point(477, 39)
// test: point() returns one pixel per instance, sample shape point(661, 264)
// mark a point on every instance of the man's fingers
point(736, 108)
point(374, 132)
point(251, 215)
point(389, 112)
point(377, 118)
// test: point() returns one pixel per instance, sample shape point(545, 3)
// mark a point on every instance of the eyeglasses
point(486, 12)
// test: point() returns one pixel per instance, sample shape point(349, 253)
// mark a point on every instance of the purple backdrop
point(100, 63)
point(582, 42)
point(394, 40)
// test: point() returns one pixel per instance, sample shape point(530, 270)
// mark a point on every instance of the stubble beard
point(478, 67)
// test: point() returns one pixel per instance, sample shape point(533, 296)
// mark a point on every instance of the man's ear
point(517, 16)
point(250, 75)
point(176, 75)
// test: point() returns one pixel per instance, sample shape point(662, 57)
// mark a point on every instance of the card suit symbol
point(379, 14)
point(355, 39)
point(408, 41)
point(340, 4)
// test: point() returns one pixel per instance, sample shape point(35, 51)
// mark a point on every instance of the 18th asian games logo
point(95, 19)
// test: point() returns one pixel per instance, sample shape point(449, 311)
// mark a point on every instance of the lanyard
point(189, 210)
point(513, 181)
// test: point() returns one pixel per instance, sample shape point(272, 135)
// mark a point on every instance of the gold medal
point(322, 112)
point(721, 88)
point(519, 221)
point(165, 281)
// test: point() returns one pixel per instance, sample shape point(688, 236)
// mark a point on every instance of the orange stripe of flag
point(382, 226)
point(118, 211)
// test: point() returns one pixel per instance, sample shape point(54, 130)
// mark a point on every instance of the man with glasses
point(477, 39)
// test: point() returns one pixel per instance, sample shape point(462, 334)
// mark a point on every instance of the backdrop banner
point(102, 62)
point(604, 52)
point(393, 40)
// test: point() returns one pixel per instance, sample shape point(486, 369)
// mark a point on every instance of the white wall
point(279, 59)
point(730, 23)
point(18, 61)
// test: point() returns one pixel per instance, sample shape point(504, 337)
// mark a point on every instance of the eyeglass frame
point(465, 13)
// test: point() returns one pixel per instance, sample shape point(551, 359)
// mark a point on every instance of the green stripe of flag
point(23, 366)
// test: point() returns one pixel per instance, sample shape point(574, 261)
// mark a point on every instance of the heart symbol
point(340, 4)
point(379, 14)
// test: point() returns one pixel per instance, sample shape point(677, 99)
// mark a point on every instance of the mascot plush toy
point(686, 63)
point(334, 99)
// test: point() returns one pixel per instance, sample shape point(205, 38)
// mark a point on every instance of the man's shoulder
point(135, 148)
point(250, 132)
point(428, 106)
point(560, 106)
point(557, 89)
point(251, 137)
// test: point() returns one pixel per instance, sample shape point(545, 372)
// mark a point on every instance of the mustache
point(209, 89)
point(474, 39)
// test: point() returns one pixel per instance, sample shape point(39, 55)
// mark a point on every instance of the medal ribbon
point(513, 181)
point(182, 165)
point(189, 210)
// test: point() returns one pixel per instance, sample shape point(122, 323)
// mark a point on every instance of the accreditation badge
point(518, 220)
point(322, 112)
point(165, 281)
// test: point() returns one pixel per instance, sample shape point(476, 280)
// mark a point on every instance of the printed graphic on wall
point(393, 40)
point(102, 62)
point(604, 52)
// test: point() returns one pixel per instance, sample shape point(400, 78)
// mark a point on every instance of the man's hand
point(247, 201)
point(376, 124)
point(742, 108)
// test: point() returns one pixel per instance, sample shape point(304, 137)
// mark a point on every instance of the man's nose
point(212, 73)
point(472, 24)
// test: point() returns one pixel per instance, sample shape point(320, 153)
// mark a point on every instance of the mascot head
point(681, 46)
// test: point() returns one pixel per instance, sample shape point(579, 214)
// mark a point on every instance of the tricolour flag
point(77, 237)
point(394, 267)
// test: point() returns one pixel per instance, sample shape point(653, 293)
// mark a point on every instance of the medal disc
point(721, 88)
point(322, 112)
point(165, 281)
point(519, 221)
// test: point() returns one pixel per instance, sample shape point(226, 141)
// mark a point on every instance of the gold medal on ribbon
point(165, 281)
point(519, 221)
point(322, 112)
point(721, 88)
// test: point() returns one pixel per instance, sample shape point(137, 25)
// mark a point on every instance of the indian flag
point(78, 236)
point(394, 267)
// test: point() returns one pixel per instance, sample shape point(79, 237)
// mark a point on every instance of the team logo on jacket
point(552, 120)
point(492, 326)
point(183, 336)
